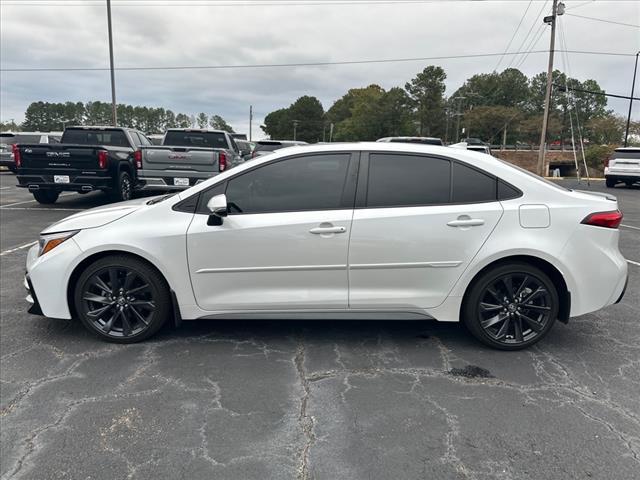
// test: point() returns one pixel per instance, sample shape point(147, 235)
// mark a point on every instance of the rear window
point(113, 138)
point(268, 147)
point(635, 154)
point(20, 138)
point(182, 138)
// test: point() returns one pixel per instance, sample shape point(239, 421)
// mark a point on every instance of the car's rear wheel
point(122, 299)
point(610, 182)
point(46, 197)
point(123, 189)
point(511, 307)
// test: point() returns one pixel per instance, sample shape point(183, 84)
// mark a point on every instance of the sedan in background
point(341, 231)
point(264, 147)
point(420, 140)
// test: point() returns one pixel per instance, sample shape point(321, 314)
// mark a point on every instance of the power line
point(307, 64)
point(514, 34)
point(526, 37)
point(603, 20)
point(239, 4)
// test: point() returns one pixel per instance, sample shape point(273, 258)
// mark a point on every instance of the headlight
point(52, 240)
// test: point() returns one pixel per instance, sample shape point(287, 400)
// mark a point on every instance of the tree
point(607, 129)
point(183, 120)
point(219, 123)
point(202, 120)
point(306, 111)
point(426, 91)
point(489, 123)
point(276, 124)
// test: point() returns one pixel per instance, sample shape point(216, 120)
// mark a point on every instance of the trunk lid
point(180, 158)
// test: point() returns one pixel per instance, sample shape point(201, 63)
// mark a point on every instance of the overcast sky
point(159, 33)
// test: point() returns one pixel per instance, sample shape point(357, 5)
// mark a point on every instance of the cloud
point(152, 35)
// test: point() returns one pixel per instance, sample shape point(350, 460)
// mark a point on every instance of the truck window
point(114, 138)
point(186, 138)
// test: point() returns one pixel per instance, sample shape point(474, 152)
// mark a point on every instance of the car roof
point(628, 149)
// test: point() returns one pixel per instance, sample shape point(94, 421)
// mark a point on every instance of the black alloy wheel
point(511, 307)
point(122, 299)
point(123, 190)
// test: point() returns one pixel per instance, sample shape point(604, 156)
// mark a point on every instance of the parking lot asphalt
point(312, 400)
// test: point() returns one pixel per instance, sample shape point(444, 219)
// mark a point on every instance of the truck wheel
point(123, 189)
point(610, 182)
point(46, 197)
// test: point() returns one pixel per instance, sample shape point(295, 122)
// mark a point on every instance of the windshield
point(186, 138)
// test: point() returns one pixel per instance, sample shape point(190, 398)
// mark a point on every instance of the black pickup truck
point(86, 159)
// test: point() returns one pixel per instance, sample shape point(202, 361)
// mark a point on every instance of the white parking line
point(637, 264)
point(21, 247)
point(629, 226)
point(30, 201)
point(4, 188)
point(42, 209)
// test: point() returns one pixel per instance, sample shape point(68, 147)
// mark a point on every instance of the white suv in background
point(623, 166)
point(350, 230)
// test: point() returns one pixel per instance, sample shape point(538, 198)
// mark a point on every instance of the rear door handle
point(325, 230)
point(470, 222)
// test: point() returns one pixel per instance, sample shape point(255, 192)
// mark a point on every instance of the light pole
point(113, 75)
point(250, 121)
point(295, 129)
point(633, 84)
point(558, 9)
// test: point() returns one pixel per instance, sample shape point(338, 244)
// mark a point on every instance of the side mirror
point(218, 205)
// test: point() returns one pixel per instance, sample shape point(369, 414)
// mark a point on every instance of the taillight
point(137, 158)
point(604, 219)
point(16, 155)
point(222, 161)
point(103, 159)
point(606, 162)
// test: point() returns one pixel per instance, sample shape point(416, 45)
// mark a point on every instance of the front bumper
point(78, 183)
point(31, 297)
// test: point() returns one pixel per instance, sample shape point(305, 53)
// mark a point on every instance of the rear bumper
point(159, 180)
point(622, 175)
point(77, 184)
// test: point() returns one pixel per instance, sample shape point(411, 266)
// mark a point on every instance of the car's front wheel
point(122, 299)
point(610, 182)
point(511, 307)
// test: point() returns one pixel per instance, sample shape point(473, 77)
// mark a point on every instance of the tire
point(46, 197)
point(122, 299)
point(123, 188)
point(511, 306)
point(629, 184)
point(610, 182)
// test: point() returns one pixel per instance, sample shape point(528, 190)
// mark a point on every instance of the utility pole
point(633, 85)
point(250, 121)
point(331, 133)
point(295, 129)
point(558, 9)
point(113, 75)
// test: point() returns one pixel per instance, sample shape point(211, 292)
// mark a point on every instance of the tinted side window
point(405, 180)
point(471, 185)
point(207, 195)
point(143, 139)
point(506, 191)
point(314, 182)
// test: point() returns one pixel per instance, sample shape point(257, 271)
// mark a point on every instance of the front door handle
point(466, 222)
point(325, 230)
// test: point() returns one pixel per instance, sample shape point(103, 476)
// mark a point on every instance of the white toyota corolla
point(363, 230)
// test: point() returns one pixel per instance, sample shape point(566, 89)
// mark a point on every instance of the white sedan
point(340, 231)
